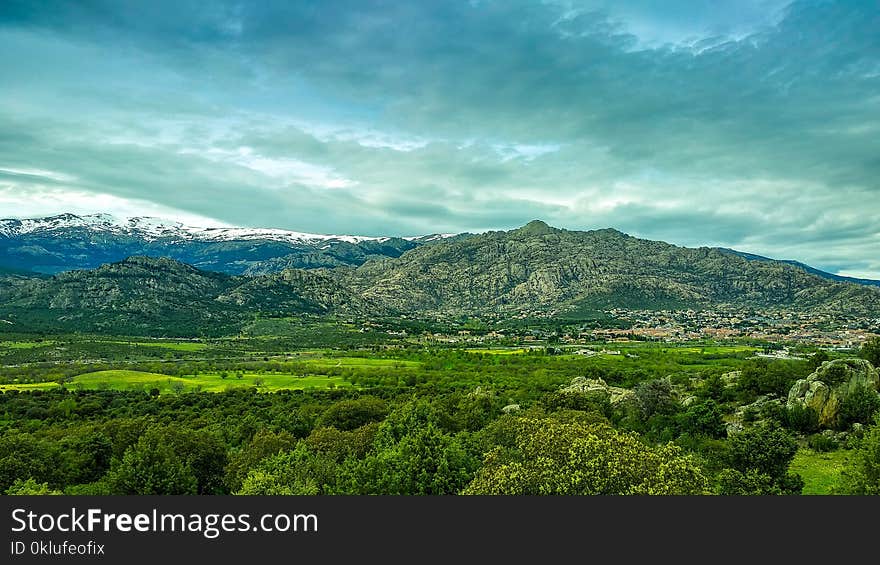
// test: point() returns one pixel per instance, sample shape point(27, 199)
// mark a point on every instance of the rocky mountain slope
point(541, 268)
point(535, 270)
point(163, 297)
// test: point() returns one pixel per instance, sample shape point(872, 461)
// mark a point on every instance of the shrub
point(822, 443)
point(862, 475)
point(857, 407)
point(570, 458)
point(801, 419)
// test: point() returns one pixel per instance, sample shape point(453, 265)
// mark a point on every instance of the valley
point(509, 362)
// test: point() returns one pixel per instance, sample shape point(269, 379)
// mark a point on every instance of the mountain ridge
point(535, 270)
point(69, 242)
point(38, 245)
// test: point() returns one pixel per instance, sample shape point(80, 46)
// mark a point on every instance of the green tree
point(871, 351)
point(23, 456)
point(30, 487)
point(352, 414)
point(264, 443)
point(172, 460)
point(655, 398)
point(150, 468)
point(816, 359)
point(858, 406)
point(90, 458)
point(423, 462)
point(861, 476)
point(573, 458)
point(703, 418)
point(300, 471)
point(341, 444)
point(762, 450)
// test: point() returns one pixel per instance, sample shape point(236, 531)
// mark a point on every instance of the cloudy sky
point(752, 124)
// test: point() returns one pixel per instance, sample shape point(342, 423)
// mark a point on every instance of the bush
point(801, 419)
point(862, 474)
point(349, 415)
point(871, 351)
point(731, 482)
point(858, 406)
point(570, 458)
point(822, 443)
point(762, 376)
point(703, 418)
point(765, 450)
point(29, 487)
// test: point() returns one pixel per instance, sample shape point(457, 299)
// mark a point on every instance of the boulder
point(829, 385)
point(757, 410)
point(730, 379)
point(583, 385)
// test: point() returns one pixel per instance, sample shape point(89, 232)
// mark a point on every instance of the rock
point(757, 409)
point(730, 378)
point(583, 385)
point(829, 385)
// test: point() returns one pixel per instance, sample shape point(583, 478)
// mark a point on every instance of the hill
point(538, 268)
point(163, 297)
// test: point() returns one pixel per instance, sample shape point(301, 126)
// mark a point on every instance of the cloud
point(741, 123)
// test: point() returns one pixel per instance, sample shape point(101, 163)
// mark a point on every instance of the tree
point(341, 444)
point(171, 460)
point(265, 443)
point(763, 450)
point(871, 351)
point(352, 414)
point(150, 468)
point(30, 487)
point(861, 476)
point(91, 455)
point(816, 359)
point(858, 406)
point(424, 461)
point(300, 471)
point(655, 398)
point(762, 376)
point(703, 418)
point(22, 456)
point(572, 458)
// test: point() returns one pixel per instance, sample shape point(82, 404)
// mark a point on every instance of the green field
point(25, 344)
point(173, 345)
point(361, 362)
point(820, 471)
point(28, 386)
point(205, 382)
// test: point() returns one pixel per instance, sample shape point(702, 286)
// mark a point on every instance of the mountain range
point(68, 242)
point(198, 281)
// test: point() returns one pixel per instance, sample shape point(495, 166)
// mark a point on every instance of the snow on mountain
point(151, 229)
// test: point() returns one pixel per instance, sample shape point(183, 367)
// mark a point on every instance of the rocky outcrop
point(730, 379)
point(825, 389)
point(583, 385)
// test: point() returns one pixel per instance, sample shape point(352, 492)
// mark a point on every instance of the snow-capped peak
point(152, 229)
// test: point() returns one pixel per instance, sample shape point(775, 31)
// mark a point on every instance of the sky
point(738, 123)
